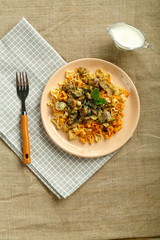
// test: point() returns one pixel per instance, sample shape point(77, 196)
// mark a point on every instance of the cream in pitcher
point(126, 36)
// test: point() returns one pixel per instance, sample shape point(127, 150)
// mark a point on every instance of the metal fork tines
point(22, 88)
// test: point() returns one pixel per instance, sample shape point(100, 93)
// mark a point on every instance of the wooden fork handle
point(25, 137)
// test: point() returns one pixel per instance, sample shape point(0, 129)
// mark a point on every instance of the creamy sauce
point(127, 36)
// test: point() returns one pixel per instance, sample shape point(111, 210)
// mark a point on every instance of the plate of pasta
point(90, 107)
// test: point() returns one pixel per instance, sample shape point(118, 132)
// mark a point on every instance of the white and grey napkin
point(23, 49)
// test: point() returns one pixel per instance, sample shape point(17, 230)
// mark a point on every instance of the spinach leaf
point(100, 101)
point(95, 96)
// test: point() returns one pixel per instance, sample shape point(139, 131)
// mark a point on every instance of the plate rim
point(64, 148)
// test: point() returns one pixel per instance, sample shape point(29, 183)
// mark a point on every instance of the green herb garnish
point(96, 98)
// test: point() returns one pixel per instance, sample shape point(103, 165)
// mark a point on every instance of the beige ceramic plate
point(105, 146)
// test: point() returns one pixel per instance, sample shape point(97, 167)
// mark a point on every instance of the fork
point(22, 92)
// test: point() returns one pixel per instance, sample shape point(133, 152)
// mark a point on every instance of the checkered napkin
point(23, 49)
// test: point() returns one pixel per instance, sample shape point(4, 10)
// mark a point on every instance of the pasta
point(87, 105)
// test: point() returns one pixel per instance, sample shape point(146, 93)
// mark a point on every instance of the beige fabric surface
point(122, 200)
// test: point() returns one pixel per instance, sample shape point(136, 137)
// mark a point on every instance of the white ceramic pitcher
point(127, 36)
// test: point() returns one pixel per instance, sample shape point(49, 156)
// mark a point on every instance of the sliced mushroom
point(104, 116)
point(104, 85)
point(67, 87)
point(109, 91)
point(84, 111)
point(71, 102)
point(82, 71)
point(60, 106)
point(95, 83)
point(77, 93)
